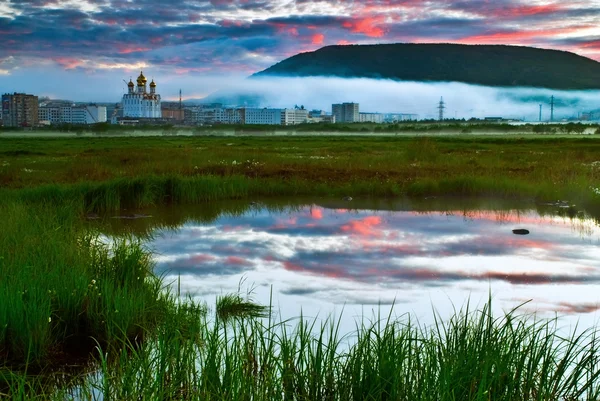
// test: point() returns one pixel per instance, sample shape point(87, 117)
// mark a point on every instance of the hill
point(490, 65)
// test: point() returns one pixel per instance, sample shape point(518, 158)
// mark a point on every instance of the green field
point(63, 284)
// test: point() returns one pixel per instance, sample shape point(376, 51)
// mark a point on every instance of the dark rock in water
point(347, 198)
point(520, 231)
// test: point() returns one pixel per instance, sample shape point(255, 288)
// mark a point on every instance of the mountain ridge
point(487, 65)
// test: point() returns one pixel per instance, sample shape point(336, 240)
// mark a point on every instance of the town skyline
point(189, 45)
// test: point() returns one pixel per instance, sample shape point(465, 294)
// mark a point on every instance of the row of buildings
point(22, 110)
point(217, 114)
point(350, 113)
point(142, 105)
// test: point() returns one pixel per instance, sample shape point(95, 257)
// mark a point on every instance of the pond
point(320, 257)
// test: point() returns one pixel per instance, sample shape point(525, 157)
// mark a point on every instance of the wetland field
point(300, 267)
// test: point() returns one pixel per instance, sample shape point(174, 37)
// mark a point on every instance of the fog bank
point(387, 96)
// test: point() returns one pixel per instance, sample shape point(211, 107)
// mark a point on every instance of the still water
point(361, 257)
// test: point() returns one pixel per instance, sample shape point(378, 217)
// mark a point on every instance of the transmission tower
point(552, 108)
point(441, 108)
point(540, 112)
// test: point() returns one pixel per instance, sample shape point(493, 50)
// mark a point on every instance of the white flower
point(49, 319)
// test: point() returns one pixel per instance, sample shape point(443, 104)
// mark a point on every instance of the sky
point(83, 49)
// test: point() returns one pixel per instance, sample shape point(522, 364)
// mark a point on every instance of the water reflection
point(324, 256)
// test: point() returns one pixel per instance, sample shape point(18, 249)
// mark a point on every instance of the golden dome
point(130, 83)
point(141, 80)
point(152, 84)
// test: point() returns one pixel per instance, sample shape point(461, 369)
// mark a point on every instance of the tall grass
point(472, 356)
point(61, 286)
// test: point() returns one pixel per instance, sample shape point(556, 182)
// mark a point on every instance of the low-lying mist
point(374, 95)
point(387, 96)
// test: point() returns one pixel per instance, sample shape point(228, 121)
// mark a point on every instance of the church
point(140, 103)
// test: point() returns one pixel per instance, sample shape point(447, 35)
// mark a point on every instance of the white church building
point(140, 103)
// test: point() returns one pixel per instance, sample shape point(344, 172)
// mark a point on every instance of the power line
point(441, 108)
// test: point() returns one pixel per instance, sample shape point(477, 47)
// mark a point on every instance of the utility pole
point(540, 112)
point(552, 108)
point(180, 107)
point(441, 108)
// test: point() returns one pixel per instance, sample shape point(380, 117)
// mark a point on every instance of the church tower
point(138, 102)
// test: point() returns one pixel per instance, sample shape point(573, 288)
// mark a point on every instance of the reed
point(474, 355)
point(62, 285)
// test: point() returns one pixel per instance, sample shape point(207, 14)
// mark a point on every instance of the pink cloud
point(316, 214)
point(367, 26)
point(68, 63)
point(522, 37)
point(366, 226)
point(133, 49)
point(317, 39)
point(237, 261)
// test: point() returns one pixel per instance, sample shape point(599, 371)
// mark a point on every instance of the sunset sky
point(54, 46)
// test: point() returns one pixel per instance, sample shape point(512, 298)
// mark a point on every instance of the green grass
point(63, 284)
point(101, 174)
point(472, 356)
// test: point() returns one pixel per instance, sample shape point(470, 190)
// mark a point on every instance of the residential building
point(138, 102)
point(209, 115)
point(346, 112)
point(294, 116)
point(65, 113)
point(320, 116)
point(192, 115)
point(261, 116)
point(172, 111)
point(19, 110)
point(395, 117)
point(49, 114)
point(377, 118)
point(88, 114)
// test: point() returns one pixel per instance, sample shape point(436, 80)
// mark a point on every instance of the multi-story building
point(88, 114)
point(20, 110)
point(209, 115)
point(320, 116)
point(346, 112)
point(192, 115)
point(261, 116)
point(172, 111)
point(61, 113)
point(138, 102)
point(49, 114)
point(395, 117)
point(377, 118)
point(294, 116)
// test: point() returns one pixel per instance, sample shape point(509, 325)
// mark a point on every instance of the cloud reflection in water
point(326, 257)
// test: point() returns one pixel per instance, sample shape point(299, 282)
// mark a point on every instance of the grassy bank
point(61, 285)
